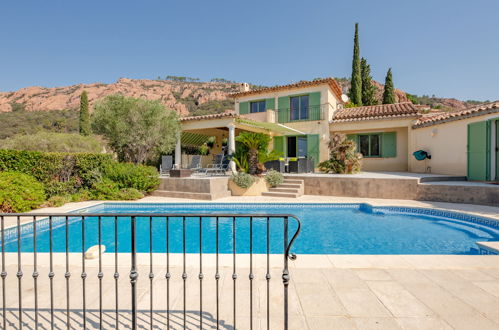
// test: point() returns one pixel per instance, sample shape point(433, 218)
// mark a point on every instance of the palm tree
point(255, 142)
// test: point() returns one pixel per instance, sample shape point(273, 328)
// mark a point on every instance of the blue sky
point(442, 47)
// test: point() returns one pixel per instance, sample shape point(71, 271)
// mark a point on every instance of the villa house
point(305, 107)
point(301, 117)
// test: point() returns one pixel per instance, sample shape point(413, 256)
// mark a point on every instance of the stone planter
point(256, 189)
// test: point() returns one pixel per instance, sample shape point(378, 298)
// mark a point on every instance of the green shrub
point(19, 192)
point(53, 142)
point(109, 190)
point(130, 194)
point(105, 189)
point(58, 188)
point(274, 178)
point(344, 157)
point(82, 195)
point(56, 201)
point(243, 180)
point(127, 175)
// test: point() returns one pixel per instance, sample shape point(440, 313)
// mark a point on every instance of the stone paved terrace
point(326, 291)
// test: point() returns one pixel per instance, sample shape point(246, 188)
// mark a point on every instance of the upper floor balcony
point(305, 112)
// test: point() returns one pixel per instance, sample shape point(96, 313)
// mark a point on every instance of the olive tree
point(136, 129)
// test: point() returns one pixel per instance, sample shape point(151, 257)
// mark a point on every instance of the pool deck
point(326, 291)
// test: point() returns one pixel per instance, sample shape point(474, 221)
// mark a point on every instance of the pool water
point(326, 229)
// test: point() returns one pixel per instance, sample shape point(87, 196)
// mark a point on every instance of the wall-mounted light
point(434, 132)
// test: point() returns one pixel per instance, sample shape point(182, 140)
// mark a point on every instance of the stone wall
point(399, 188)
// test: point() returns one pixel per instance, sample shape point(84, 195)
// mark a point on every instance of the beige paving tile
point(398, 300)
point(492, 272)
point(334, 322)
point(376, 323)
point(301, 275)
point(489, 287)
point(466, 291)
point(474, 321)
point(311, 261)
point(474, 275)
point(423, 323)
point(343, 278)
point(408, 276)
point(373, 274)
point(319, 300)
point(440, 301)
point(360, 302)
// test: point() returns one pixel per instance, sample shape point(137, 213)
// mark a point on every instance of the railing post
point(133, 271)
point(285, 273)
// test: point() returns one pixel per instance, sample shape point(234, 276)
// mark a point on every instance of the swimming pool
point(326, 229)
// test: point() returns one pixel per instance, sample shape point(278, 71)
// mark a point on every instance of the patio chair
point(166, 164)
point(219, 169)
point(195, 164)
point(217, 162)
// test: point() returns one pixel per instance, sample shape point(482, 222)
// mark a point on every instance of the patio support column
point(231, 143)
point(178, 151)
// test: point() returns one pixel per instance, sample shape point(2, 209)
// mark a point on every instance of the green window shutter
point(314, 106)
point(313, 150)
point(479, 150)
point(270, 104)
point(283, 111)
point(243, 108)
point(279, 144)
point(389, 144)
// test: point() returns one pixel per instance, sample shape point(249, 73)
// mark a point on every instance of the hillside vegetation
point(30, 122)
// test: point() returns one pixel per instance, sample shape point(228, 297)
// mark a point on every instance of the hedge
point(48, 166)
point(81, 176)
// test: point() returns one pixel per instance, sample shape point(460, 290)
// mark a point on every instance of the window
point(258, 106)
point(299, 107)
point(369, 145)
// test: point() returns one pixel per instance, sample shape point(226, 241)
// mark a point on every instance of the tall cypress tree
point(368, 88)
point(84, 114)
point(389, 94)
point(355, 92)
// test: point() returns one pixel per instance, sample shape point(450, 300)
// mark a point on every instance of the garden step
point(293, 181)
point(290, 185)
point(279, 194)
point(285, 190)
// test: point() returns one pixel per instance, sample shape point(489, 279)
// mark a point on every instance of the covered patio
point(195, 131)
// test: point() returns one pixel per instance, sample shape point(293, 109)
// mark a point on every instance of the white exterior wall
point(399, 163)
point(447, 145)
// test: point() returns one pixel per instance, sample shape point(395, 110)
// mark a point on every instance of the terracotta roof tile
point(302, 84)
point(440, 118)
point(382, 111)
point(213, 116)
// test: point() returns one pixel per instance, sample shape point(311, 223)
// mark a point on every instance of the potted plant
point(251, 152)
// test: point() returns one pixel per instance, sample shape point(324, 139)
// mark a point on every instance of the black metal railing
point(49, 240)
point(306, 113)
